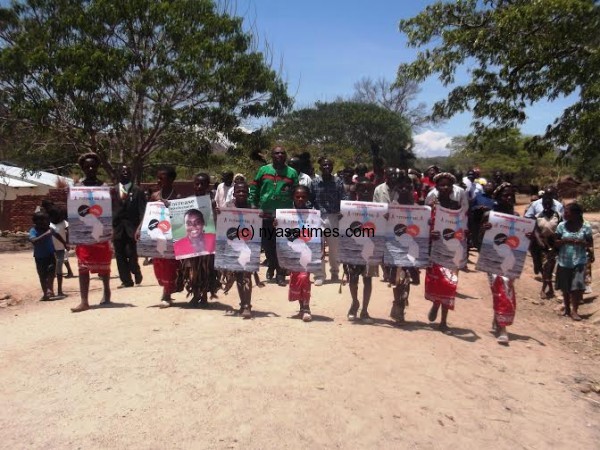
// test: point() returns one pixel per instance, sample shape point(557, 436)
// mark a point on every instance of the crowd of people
point(561, 236)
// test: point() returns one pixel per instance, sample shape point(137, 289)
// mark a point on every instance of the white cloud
point(431, 143)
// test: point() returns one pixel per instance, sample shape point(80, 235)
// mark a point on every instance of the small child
point(573, 238)
point(364, 193)
point(402, 277)
point(243, 280)
point(299, 289)
point(60, 240)
point(199, 273)
point(43, 252)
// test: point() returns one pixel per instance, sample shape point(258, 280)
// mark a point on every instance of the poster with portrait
point(407, 236)
point(450, 250)
point(194, 232)
point(89, 210)
point(156, 236)
point(504, 245)
point(362, 232)
point(298, 240)
point(238, 239)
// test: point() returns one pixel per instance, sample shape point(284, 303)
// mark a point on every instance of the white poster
point(194, 232)
point(156, 237)
point(504, 246)
point(450, 250)
point(89, 209)
point(362, 232)
point(407, 236)
point(238, 239)
point(298, 240)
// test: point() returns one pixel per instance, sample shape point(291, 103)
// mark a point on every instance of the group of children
point(199, 277)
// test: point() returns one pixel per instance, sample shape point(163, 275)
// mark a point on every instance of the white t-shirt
point(61, 229)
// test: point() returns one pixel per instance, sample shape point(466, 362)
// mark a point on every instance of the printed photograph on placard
point(504, 246)
point(362, 232)
point(156, 237)
point(450, 250)
point(238, 240)
point(407, 236)
point(298, 240)
point(89, 212)
point(194, 232)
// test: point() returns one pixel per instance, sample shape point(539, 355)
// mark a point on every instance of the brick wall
point(16, 214)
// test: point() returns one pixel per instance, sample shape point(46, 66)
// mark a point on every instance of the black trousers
point(269, 245)
point(127, 259)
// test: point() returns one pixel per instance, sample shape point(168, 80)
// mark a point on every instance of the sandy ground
point(135, 376)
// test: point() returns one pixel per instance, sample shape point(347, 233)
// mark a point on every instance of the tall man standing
point(129, 205)
point(327, 191)
point(271, 189)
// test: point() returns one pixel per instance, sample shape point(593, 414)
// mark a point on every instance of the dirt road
point(135, 376)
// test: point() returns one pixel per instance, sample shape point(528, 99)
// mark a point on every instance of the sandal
point(164, 303)
point(503, 339)
point(352, 312)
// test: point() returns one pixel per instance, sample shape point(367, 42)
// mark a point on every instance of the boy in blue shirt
point(43, 252)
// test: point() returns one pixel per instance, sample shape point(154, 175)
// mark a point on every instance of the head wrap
point(500, 188)
point(442, 175)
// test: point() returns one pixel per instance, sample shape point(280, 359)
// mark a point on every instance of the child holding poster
point(243, 280)
point(364, 193)
point(166, 269)
point(92, 258)
point(441, 282)
point(299, 289)
point(503, 288)
point(401, 277)
point(199, 273)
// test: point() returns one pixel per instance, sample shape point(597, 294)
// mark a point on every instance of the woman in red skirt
point(166, 271)
point(92, 258)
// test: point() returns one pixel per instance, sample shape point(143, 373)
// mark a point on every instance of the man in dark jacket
point(129, 204)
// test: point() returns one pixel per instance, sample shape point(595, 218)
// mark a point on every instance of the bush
point(590, 202)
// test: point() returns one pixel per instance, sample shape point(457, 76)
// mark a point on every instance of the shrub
point(590, 202)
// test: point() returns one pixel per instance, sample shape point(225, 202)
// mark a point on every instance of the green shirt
point(271, 189)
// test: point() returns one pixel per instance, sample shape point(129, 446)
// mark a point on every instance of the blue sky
point(324, 47)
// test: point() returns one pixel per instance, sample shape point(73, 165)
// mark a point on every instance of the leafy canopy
point(520, 52)
point(504, 150)
point(126, 78)
point(366, 129)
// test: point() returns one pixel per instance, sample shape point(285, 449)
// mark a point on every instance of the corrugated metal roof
point(14, 183)
point(38, 178)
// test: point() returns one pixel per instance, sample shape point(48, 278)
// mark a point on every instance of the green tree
point(505, 150)
point(519, 52)
point(132, 78)
point(365, 130)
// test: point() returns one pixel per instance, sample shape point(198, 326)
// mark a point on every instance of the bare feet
point(246, 313)
point(433, 312)
point(443, 327)
point(575, 316)
point(81, 307)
